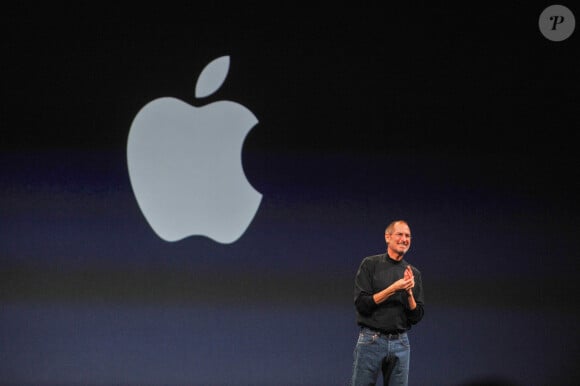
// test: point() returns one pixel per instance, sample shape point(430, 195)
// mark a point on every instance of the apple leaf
point(212, 77)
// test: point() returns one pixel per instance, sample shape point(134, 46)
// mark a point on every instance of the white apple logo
point(185, 164)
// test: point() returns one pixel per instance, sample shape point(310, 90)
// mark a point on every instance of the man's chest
point(386, 274)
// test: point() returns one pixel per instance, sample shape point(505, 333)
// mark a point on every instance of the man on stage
point(388, 297)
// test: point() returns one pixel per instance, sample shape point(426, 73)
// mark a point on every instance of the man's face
point(398, 239)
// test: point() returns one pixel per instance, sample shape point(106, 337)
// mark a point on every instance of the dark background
point(461, 119)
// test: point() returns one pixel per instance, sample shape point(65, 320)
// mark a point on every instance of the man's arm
point(410, 297)
point(401, 284)
point(415, 300)
point(365, 301)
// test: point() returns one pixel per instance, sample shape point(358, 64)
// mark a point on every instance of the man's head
point(398, 238)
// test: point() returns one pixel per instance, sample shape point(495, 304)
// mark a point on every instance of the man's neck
point(395, 256)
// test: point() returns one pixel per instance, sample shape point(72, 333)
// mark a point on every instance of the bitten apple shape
point(185, 164)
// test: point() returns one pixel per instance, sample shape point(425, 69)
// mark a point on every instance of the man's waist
point(394, 334)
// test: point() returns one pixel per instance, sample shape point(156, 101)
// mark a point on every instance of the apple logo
point(185, 164)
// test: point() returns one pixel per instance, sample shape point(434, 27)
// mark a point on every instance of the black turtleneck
point(376, 273)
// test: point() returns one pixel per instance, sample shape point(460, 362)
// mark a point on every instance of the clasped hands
point(407, 282)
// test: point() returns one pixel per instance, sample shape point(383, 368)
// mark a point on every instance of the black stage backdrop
point(461, 119)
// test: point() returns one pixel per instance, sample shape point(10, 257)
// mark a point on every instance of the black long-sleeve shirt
point(376, 273)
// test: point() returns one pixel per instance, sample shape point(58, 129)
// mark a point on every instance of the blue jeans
point(376, 352)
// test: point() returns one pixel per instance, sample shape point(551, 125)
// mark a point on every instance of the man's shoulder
point(373, 258)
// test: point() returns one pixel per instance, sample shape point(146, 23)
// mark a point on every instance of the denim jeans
point(376, 352)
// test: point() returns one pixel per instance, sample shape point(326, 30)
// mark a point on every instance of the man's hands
point(409, 276)
point(405, 284)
